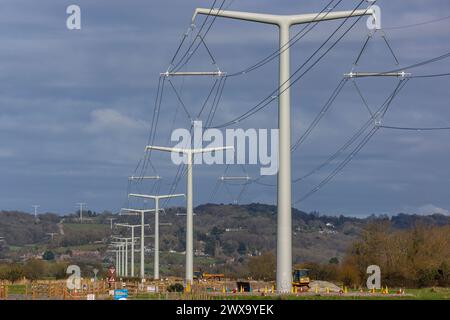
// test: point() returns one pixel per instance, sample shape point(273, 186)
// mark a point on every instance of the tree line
point(417, 257)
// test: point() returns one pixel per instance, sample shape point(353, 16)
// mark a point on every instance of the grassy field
point(74, 227)
point(17, 289)
point(411, 294)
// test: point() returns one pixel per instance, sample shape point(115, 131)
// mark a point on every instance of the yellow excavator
point(300, 279)
point(208, 276)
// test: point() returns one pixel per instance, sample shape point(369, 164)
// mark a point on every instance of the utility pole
point(156, 248)
point(111, 221)
point(284, 218)
point(52, 234)
point(119, 254)
point(142, 213)
point(189, 202)
point(36, 206)
point(132, 241)
point(81, 204)
point(117, 261)
point(125, 258)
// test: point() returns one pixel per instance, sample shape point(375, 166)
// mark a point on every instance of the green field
point(74, 227)
point(411, 294)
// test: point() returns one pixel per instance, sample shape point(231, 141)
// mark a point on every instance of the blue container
point(121, 294)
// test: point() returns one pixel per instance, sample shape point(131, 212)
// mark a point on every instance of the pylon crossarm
point(324, 16)
point(137, 211)
point(194, 73)
point(288, 20)
point(166, 149)
point(144, 178)
point(401, 74)
point(130, 226)
point(256, 17)
point(232, 178)
point(120, 238)
point(147, 196)
point(187, 151)
point(184, 214)
point(165, 224)
point(206, 150)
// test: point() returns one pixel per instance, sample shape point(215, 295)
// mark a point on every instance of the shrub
point(48, 255)
point(176, 287)
point(34, 269)
point(12, 273)
point(349, 275)
point(262, 267)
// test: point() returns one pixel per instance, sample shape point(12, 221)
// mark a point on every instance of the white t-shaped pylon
point(132, 241)
point(189, 203)
point(142, 213)
point(156, 198)
point(284, 218)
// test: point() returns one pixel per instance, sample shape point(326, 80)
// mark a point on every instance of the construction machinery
point(208, 276)
point(300, 279)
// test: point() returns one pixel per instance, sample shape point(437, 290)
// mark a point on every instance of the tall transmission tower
point(125, 241)
point(132, 241)
point(119, 257)
point(81, 204)
point(35, 206)
point(142, 213)
point(284, 217)
point(111, 222)
point(156, 248)
point(52, 234)
point(189, 202)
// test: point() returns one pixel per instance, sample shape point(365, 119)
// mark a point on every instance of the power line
point(362, 97)
point(171, 66)
point(174, 185)
point(190, 53)
point(415, 128)
point(180, 100)
point(416, 65)
point(432, 75)
point(369, 36)
point(320, 115)
point(152, 136)
point(181, 170)
point(352, 139)
point(216, 102)
point(277, 92)
point(341, 166)
point(380, 113)
point(207, 98)
point(356, 136)
point(417, 24)
point(298, 36)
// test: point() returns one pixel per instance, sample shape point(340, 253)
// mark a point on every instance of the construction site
point(220, 204)
point(203, 290)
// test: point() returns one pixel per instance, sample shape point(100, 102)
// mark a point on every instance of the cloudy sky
point(76, 105)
